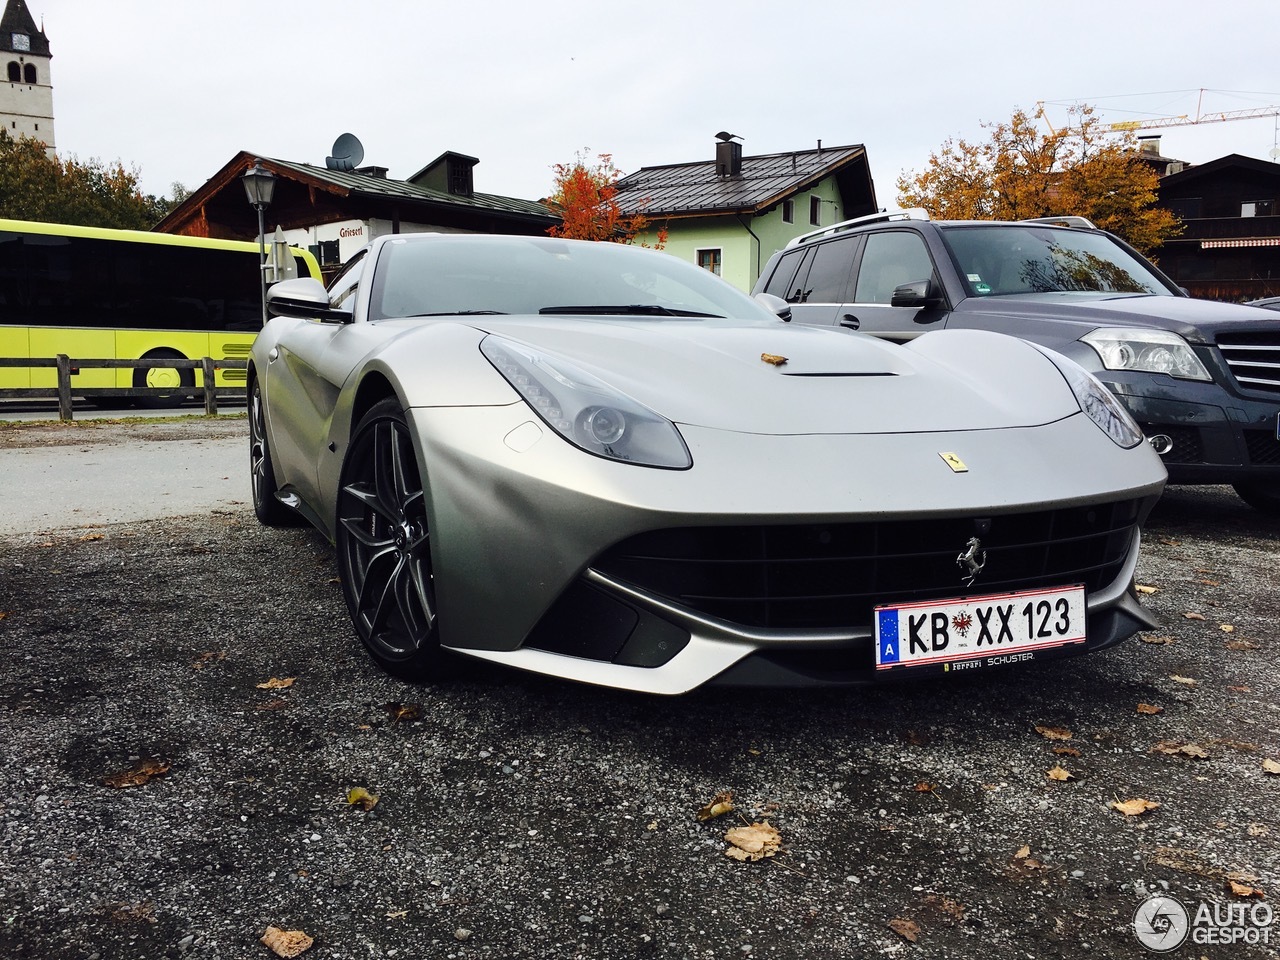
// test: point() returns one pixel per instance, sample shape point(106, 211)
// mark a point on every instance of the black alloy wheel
point(383, 545)
point(262, 476)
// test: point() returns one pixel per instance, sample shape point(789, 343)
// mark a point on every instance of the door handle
point(850, 322)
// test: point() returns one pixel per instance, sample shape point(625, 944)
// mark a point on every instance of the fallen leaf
point(1226, 628)
point(1257, 830)
point(907, 929)
point(137, 774)
point(205, 659)
point(1193, 616)
point(1060, 774)
point(1146, 639)
point(1054, 733)
point(1271, 766)
point(274, 704)
point(1242, 644)
point(403, 712)
point(1174, 748)
point(1185, 681)
point(945, 907)
point(1022, 852)
point(753, 842)
point(91, 536)
point(1149, 709)
point(721, 803)
point(773, 358)
point(397, 915)
point(1066, 751)
point(923, 787)
point(362, 798)
point(1147, 590)
point(1168, 542)
point(286, 943)
point(1210, 583)
point(1135, 807)
point(1240, 689)
point(1244, 890)
point(4, 613)
point(277, 684)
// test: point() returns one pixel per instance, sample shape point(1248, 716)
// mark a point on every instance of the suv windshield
point(1022, 258)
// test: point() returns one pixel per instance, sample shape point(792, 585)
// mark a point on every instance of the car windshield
point(449, 275)
point(1024, 258)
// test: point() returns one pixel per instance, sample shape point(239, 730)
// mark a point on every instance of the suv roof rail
point(915, 213)
point(1067, 221)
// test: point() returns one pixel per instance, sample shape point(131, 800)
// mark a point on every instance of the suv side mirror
point(917, 293)
point(775, 305)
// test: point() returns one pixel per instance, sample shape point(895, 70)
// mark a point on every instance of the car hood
point(714, 374)
point(1197, 321)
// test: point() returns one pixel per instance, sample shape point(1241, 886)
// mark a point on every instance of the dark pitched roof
point(1231, 160)
point(17, 19)
point(694, 189)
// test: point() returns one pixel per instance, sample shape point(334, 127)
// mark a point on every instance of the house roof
point(17, 19)
point(219, 207)
point(1231, 160)
point(694, 189)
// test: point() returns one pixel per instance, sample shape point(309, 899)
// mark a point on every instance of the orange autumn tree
point(586, 200)
point(1021, 172)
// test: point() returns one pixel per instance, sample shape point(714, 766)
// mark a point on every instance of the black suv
point(1201, 378)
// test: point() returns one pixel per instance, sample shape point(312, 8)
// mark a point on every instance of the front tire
point(1264, 498)
point(383, 546)
point(262, 475)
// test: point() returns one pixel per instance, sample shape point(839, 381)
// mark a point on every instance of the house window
point(710, 260)
point(1258, 208)
point(788, 211)
point(815, 211)
point(326, 253)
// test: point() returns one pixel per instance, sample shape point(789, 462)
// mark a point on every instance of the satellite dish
point(348, 152)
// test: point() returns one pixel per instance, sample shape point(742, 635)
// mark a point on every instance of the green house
point(730, 213)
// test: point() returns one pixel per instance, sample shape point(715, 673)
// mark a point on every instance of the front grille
point(833, 575)
point(1264, 448)
point(1253, 358)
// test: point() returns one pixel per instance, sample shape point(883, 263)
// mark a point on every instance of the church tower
point(26, 99)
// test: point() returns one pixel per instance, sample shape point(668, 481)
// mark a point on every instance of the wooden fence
point(65, 365)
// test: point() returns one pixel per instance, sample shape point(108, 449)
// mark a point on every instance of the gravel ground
point(520, 817)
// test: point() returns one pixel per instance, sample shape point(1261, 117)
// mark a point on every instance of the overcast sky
point(175, 89)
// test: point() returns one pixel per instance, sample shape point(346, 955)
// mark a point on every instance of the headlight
point(1098, 403)
point(586, 411)
point(1152, 351)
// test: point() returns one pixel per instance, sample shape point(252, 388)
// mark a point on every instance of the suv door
point(815, 279)
point(889, 259)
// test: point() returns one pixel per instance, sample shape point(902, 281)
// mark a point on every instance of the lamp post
point(259, 185)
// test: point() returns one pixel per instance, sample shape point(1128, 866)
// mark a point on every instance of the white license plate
point(1008, 624)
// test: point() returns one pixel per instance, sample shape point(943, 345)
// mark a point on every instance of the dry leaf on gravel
point(1135, 807)
point(1150, 709)
point(1271, 766)
point(1193, 616)
point(276, 683)
point(1242, 645)
point(286, 943)
point(721, 803)
point(1054, 733)
point(1175, 748)
point(907, 929)
point(1226, 628)
point(362, 798)
point(137, 774)
point(88, 537)
point(1022, 852)
point(946, 908)
point(1147, 590)
point(923, 787)
point(1185, 681)
point(1244, 890)
point(1066, 751)
point(1210, 583)
point(403, 712)
point(754, 842)
point(1060, 774)
point(1146, 639)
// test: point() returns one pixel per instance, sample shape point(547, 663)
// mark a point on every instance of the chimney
point(728, 158)
point(1149, 145)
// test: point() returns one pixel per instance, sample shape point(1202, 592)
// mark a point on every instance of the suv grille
point(1254, 359)
point(833, 575)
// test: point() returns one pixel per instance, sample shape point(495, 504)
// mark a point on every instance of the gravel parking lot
point(163, 792)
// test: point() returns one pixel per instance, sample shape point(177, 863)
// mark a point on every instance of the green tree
point(1085, 169)
point(37, 186)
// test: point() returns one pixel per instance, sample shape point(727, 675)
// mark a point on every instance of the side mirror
point(775, 305)
point(917, 293)
point(304, 298)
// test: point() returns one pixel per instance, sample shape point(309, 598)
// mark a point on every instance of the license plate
point(1002, 628)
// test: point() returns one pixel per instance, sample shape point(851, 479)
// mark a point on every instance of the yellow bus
point(100, 294)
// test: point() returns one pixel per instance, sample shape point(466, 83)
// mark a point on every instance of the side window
point(828, 278)
point(889, 260)
point(780, 283)
point(344, 286)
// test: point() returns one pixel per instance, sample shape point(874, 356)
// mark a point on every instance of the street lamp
point(259, 185)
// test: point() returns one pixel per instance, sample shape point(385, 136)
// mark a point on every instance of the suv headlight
point(1097, 402)
point(586, 411)
point(1151, 351)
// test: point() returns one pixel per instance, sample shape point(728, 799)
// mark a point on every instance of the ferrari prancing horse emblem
point(954, 462)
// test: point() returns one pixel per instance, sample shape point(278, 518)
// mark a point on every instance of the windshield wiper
point(626, 309)
point(458, 313)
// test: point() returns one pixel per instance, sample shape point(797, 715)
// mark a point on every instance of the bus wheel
point(164, 377)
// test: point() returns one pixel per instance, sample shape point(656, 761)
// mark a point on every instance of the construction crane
point(1181, 120)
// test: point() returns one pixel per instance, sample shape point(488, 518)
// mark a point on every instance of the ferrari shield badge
point(954, 462)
